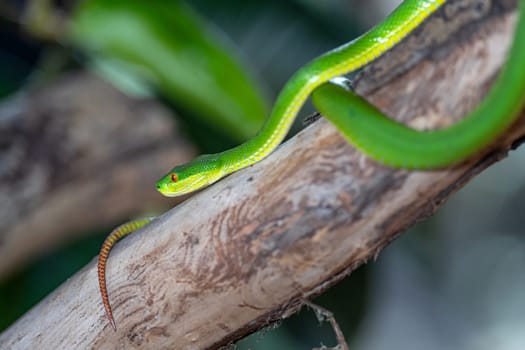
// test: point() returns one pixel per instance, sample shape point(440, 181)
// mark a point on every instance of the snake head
point(186, 178)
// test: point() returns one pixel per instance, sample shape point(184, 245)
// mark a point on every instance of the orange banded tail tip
point(115, 235)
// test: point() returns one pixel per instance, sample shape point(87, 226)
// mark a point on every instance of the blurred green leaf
point(165, 43)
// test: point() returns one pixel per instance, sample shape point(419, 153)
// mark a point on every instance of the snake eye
point(174, 177)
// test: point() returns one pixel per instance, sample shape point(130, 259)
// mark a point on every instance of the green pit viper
point(364, 126)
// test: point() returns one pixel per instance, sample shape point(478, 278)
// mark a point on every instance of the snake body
point(362, 124)
point(207, 169)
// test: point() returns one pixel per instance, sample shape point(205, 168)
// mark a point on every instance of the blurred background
point(100, 98)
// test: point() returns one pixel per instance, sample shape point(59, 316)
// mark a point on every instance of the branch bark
point(244, 252)
point(78, 155)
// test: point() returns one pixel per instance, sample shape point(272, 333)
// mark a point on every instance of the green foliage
point(167, 45)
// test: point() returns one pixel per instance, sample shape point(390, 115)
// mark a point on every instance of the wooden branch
point(244, 252)
point(78, 155)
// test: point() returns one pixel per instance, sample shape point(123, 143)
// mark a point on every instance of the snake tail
point(115, 235)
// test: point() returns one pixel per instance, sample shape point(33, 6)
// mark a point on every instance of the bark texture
point(244, 252)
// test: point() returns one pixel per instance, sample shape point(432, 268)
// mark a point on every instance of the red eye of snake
point(174, 177)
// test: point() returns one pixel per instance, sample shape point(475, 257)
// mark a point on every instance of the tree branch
point(244, 252)
point(78, 155)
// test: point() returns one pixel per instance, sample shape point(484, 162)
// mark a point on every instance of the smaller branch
point(322, 315)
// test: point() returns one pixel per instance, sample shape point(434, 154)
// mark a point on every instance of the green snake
point(364, 126)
